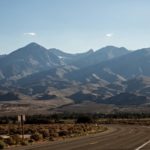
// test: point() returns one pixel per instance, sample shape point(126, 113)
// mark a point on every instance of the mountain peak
point(31, 48)
point(114, 48)
point(90, 51)
point(110, 46)
point(33, 44)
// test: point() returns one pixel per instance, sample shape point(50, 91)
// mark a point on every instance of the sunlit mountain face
point(103, 76)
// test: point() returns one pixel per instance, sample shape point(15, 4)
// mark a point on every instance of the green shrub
point(53, 133)
point(24, 143)
point(85, 119)
point(30, 140)
point(10, 141)
point(45, 133)
point(63, 133)
point(51, 138)
point(2, 145)
point(16, 139)
point(36, 136)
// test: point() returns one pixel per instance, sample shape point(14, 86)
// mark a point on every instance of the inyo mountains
point(110, 75)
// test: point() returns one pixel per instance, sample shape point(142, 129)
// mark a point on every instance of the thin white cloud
point(30, 33)
point(109, 35)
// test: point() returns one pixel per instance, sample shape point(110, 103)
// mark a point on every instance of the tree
point(85, 119)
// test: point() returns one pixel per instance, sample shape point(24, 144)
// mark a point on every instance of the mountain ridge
point(99, 76)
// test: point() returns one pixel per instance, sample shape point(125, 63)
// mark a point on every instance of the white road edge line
point(140, 147)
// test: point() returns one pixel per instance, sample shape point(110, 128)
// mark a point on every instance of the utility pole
point(21, 119)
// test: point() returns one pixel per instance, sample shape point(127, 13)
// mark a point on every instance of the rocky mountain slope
point(27, 60)
point(110, 75)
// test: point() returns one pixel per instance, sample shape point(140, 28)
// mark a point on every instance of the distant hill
point(10, 96)
point(126, 99)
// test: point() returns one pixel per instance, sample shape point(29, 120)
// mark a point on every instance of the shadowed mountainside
point(110, 75)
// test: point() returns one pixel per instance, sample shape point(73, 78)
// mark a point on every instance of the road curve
point(118, 137)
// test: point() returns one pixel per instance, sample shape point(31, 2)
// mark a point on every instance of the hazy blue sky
point(74, 25)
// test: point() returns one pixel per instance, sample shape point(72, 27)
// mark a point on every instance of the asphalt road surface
point(118, 137)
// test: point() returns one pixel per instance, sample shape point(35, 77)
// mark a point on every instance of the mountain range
point(110, 75)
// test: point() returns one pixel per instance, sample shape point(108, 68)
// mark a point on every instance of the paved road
point(118, 137)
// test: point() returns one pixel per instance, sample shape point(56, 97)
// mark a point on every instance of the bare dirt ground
point(61, 105)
